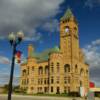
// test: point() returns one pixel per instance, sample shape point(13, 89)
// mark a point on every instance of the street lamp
point(14, 41)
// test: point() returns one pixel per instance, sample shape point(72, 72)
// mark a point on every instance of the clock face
point(66, 29)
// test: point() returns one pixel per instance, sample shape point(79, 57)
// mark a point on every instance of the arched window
point(76, 68)
point(87, 72)
point(46, 69)
point(81, 72)
point(58, 64)
point(32, 68)
point(52, 64)
point(40, 70)
point(67, 68)
point(58, 67)
point(52, 80)
point(24, 72)
point(80, 83)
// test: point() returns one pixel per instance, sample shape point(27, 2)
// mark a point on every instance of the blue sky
point(39, 20)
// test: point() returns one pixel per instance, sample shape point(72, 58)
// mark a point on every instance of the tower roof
point(68, 14)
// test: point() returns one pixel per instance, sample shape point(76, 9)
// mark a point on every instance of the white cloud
point(4, 60)
point(97, 42)
point(26, 15)
point(33, 36)
point(92, 55)
point(4, 79)
point(51, 26)
point(92, 3)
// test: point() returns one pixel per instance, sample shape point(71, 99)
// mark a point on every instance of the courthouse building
point(61, 69)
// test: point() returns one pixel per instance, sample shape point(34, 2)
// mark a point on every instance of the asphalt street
point(21, 97)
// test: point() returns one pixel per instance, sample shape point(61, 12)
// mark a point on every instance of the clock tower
point(69, 41)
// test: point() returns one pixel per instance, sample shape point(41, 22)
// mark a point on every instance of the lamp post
point(14, 41)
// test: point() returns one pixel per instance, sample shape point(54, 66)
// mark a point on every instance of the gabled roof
point(68, 14)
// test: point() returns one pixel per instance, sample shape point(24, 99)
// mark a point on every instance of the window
point(38, 81)
point(58, 80)
point(58, 68)
point(51, 89)
point(52, 64)
point(52, 80)
point(40, 70)
point(58, 64)
point(76, 69)
point(58, 90)
point(65, 80)
point(67, 68)
point(63, 22)
point(52, 69)
point(39, 89)
point(66, 26)
point(81, 72)
point(32, 88)
point(65, 89)
point(32, 68)
point(46, 69)
point(69, 80)
point(24, 72)
point(80, 83)
point(86, 72)
point(45, 89)
point(45, 81)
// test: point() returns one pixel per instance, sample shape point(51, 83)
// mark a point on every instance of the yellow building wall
point(64, 72)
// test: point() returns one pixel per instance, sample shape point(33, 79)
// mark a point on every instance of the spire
point(30, 50)
point(68, 14)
